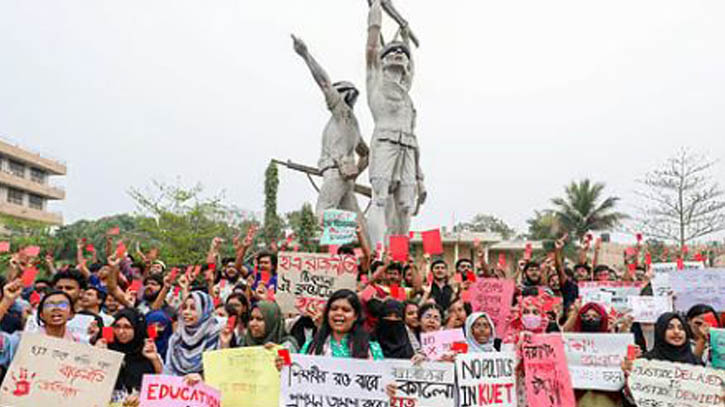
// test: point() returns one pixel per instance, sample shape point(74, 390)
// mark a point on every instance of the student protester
point(412, 324)
point(480, 333)
point(164, 330)
point(266, 327)
point(700, 318)
point(197, 332)
point(392, 333)
point(54, 312)
point(456, 314)
point(70, 282)
point(140, 355)
point(92, 301)
point(430, 316)
point(440, 290)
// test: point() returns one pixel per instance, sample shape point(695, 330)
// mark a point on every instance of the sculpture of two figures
point(393, 159)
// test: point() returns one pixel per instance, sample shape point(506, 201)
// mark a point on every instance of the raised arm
point(375, 22)
point(319, 74)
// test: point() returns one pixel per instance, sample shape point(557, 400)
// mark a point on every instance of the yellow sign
point(246, 377)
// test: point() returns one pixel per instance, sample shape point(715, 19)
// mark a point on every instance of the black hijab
point(392, 335)
point(135, 364)
point(664, 351)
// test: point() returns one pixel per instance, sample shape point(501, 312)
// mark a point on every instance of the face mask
point(531, 321)
point(591, 325)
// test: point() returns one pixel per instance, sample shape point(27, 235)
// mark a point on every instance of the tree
point(579, 211)
point(486, 223)
point(304, 225)
point(272, 222)
point(681, 200)
point(181, 223)
point(544, 226)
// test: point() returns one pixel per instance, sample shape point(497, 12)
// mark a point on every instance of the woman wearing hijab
point(266, 326)
point(391, 332)
point(198, 332)
point(164, 329)
point(672, 341)
point(139, 353)
point(481, 333)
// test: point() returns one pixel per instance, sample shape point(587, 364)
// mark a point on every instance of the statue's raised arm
point(375, 22)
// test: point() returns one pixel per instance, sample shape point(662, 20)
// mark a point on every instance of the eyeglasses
point(431, 316)
point(58, 305)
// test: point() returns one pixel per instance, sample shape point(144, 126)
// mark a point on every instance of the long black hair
point(359, 340)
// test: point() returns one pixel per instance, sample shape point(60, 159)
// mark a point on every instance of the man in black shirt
point(441, 292)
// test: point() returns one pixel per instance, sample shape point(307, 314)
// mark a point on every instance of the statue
point(395, 174)
point(341, 140)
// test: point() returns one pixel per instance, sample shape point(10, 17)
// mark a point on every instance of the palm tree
point(580, 211)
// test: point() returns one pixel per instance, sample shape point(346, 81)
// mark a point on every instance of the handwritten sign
point(430, 384)
point(435, 344)
point(493, 296)
point(672, 266)
point(603, 298)
point(594, 359)
point(318, 381)
point(171, 391)
point(717, 347)
point(647, 308)
point(661, 285)
point(48, 371)
point(78, 326)
point(310, 278)
point(620, 291)
point(339, 227)
point(486, 379)
point(698, 287)
point(548, 383)
point(246, 377)
point(658, 383)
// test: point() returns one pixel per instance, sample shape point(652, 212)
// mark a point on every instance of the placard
point(430, 384)
point(486, 379)
point(698, 287)
point(658, 383)
point(435, 344)
point(620, 291)
point(246, 377)
point(48, 371)
point(594, 359)
point(548, 383)
point(672, 266)
point(494, 297)
point(648, 308)
point(339, 227)
point(310, 278)
point(327, 381)
point(172, 391)
point(661, 285)
point(603, 298)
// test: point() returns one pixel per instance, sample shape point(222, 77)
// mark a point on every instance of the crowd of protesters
point(229, 302)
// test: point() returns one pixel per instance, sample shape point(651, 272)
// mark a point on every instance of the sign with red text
point(620, 291)
point(494, 297)
point(594, 359)
point(658, 383)
point(435, 344)
point(306, 279)
point(48, 371)
point(172, 391)
point(486, 379)
point(548, 383)
point(428, 384)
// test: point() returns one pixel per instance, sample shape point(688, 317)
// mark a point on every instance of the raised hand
point(299, 46)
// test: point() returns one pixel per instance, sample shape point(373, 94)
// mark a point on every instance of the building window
point(37, 175)
point(35, 202)
point(16, 168)
point(15, 196)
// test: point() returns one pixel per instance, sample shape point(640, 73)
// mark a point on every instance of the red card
point(296, 247)
point(107, 334)
point(680, 264)
point(34, 298)
point(710, 320)
point(632, 352)
point(411, 235)
point(114, 231)
point(177, 290)
point(632, 268)
point(4, 247)
point(211, 266)
point(32, 251)
point(432, 243)
point(135, 286)
point(458, 277)
point(550, 303)
point(151, 331)
point(231, 322)
point(217, 301)
point(90, 248)
point(685, 249)
point(648, 259)
point(174, 271)
point(364, 279)
point(528, 251)
point(395, 291)
point(430, 278)
point(368, 293)
point(270, 295)
point(459, 347)
point(264, 277)
point(121, 250)
point(471, 276)
point(466, 296)
point(332, 249)
point(502, 260)
point(399, 247)
point(29, 276)
point(284, 354)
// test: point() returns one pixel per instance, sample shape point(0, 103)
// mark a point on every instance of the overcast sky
point(515, 98)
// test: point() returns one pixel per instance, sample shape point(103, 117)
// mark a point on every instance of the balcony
point(33, 159)
point(27, 185)
point(24, 212)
